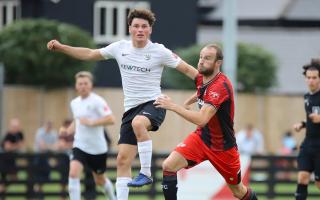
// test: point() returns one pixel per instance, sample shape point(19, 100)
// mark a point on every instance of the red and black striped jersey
point(218, 133)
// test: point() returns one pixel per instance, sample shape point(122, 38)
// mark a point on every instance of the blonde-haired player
point(91, 113)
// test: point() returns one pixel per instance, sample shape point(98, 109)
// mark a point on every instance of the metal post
point(230, 40)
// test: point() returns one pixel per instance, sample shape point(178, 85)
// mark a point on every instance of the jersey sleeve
point(169, 58)
point(72, 108)
point(215, 96)
point(103, 108)
point(109, 51)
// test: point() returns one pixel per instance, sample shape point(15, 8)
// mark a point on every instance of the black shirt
point(13, 138)
point(311, 103)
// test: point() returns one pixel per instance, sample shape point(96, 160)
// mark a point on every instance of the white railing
point(110, 19)
point(10, 10)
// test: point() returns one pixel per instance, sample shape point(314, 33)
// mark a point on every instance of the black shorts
point(155, 115)
point(96, 163)
point(309, 160)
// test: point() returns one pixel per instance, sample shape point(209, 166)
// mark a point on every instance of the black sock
point(302, 192)
point(169, 185)
point(250, 195)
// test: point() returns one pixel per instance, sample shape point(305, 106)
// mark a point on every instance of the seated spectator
point(12, 142)
point(46, 141)
point(289, 144)
point(250, 141)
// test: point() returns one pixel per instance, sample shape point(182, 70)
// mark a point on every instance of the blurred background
point(266, 44)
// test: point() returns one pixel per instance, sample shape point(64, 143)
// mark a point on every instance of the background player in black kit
point(309, 155)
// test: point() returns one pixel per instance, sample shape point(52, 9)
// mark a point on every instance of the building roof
point(264, 10)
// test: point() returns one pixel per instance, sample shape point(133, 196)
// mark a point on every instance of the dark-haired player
point(141, 63)
point(309, 154)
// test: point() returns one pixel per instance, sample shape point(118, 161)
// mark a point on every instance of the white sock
point(122, 188)
point(108, 187)
point(145, 155)
point(74, 189)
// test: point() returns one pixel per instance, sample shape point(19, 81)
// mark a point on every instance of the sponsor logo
point(200, 103)
point(146, 113)
point(135, 68)
point(124, 54)
point(306, 101)
point(231, 179)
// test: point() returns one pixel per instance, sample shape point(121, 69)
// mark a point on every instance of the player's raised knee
point(138, 123)
point(168, 166)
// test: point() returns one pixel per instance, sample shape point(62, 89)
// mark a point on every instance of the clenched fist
point(54, 45)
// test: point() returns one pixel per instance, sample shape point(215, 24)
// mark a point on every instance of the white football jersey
point(141, 69)
point(90, 139)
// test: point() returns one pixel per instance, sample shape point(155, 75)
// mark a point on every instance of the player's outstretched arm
point(187, 69)
point(200, 118)
point(191, 100)
point(103, 121)
point(80, 53)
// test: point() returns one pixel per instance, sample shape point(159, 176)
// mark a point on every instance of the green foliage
point(256, 69)
point(171, 78)
point(23, 50)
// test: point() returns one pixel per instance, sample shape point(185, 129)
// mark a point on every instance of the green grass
point(258, 187)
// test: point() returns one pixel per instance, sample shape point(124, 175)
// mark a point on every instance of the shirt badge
point(214, 95)
point(147, 57)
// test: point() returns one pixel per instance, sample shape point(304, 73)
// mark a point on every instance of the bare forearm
point(109, 120)
point(80, 53)
point(192, 99)
point(191, 116)
point(71, 128)
point(187, 69)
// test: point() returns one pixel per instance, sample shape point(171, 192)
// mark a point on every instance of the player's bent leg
point(74, 180)
point(125, 157)
point(106, 184)
point(302, 187)
point(242, 192)
point(141, 125)
point(170, 166)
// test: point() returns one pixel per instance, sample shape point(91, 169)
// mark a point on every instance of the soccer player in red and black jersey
point(214, 138)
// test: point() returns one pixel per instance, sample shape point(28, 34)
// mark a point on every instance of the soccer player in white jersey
point(91, 113)
point(141, 63)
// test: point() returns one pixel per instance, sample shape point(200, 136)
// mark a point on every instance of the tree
point(256, 70)
point(23, 50)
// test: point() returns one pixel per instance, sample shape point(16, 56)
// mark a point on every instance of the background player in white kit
point(91, 113)
point(141, 63)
